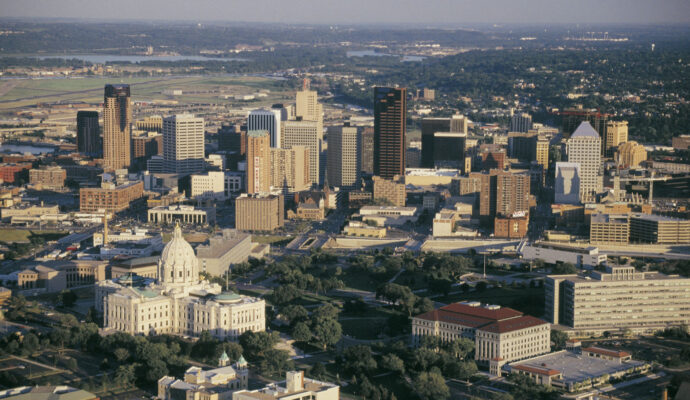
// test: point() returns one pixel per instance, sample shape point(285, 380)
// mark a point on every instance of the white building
point(214, 384)
point(181, 213)
point(178, 302)
point(224, 250)
point(183, 144)
point(344, 157)
point(553, 253)
point(567, 187)
point(497, 332)
point(295, 387)
point(584, 148)
point(304, 133)
point(210, 185)
point(267, 120)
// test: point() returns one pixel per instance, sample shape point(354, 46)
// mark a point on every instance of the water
point(373, 53)
point(25, 148)
point(104, 58)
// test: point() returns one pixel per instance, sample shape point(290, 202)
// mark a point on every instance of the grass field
point(22, 235)
point(27, 92)
point(277, 240)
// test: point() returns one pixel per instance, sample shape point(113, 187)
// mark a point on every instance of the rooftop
point(487, 318)
point(585, 130)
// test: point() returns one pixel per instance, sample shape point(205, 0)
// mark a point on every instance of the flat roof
point(575, 367)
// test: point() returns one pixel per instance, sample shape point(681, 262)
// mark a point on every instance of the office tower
point(443, 142)
point(258, 162)
point(390, 123)
point(616, 132)
point(153, 123)
point(573, 117)
point(290, 169)
point(502, 193)
point(183, 144)
point(584, 148)
point(367, 150)
point(344, 157)
point(308, 108)
point(267, 120)
point(429, 127)
point(117, 119)
point(529, 147)
point(567, 187)
point(521, 123)
point(89, 134)
point(392, 191)
point(146, 145)
point(232, 138)
point(631, 154)
point(259, 213)
point(304, 133)
point(542, 152)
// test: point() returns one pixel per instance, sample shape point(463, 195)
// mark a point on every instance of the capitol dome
point(178, 263)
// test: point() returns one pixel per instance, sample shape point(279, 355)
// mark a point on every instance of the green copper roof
point(241, 360)
point(149, 294)
point(224, 357)
point(227, 296)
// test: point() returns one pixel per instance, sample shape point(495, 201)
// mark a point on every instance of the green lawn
point(363, 328)
point(277, 240)
point(22, 235)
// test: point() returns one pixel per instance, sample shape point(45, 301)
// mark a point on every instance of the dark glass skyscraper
point(88, 134)
point(390, 114)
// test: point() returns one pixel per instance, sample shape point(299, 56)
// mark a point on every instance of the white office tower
point(304, 133)
point(267, 120)
point(344, 157)
point(567, 187)
point(183, 144)
point(584, 148)
point(308, 108)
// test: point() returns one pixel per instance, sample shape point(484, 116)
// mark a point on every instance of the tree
point(558, 338)
point(564, 269)
point(294, 313)
point(17, 307)
point(30, 344)
point(275, 362)
point(391, 362)
point(481, 286)
point(317, 371)
point(285, 294)
point(256, 343)
point(67, 298)
point(460, 369)
point(124, 376)
point(327, 332)
point(155, 369)
point(121, 354)
point(326, 311)
point(301, 332)
point(358, 359)
point(431, 386)
point(460, 348)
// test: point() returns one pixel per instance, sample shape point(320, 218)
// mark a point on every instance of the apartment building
point(391, 190)
point(110, 197)
point(259, 213)
point(52, 177)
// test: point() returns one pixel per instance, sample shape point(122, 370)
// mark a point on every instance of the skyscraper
point(344, 157)
point(573, 117)
point(367, 150)
point(89, 134)
point(502, 193)
point(267, 120)
point(290, 169)
point(308, 107)
point(183, 144)
point(117, 120)
point(521, 123)
point(304, 133)
point(390, 124)
point(616, 132)
point(258, 162)
point(584, 148)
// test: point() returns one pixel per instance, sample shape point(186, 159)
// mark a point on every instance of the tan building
point(657, 229)
point(183, 144)
point(259, 213)
point(48, 177)
point(616, 133)
point(360, 229)
point(498, 332)
point(258, 162)
point(295, 387)
point(631, 154)
point(183, 214)
point(30, 211)
point(619, 298)
point(344, 143)
point(110, 197)
point(54, 276)
point(609, 229)
point(214, 384)
point(308, 108)
point(304, 133)
point(542, 152)
point(511, 227)
point(392, 190)
point(153, 123)
point(117, 120)
point(147, 145)
point(502, 193)
point(290, 169)
point(224, 250)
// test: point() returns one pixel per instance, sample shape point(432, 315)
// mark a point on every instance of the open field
point(22, 235)
point(27, 92)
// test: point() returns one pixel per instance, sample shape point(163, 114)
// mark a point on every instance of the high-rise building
point(542, 152)
point(584, 147)
point(258, 162)
point(443, 142)
point(259, 213)
point(390, 190)
point(367, 150)
point(502, 193)
point(89, 134)
point(390, 124)
point(631, 154)
point(308, 108)
point(117, 120)
point(521, 123)
point(231, 138)
point(573, 117)
point(567, 185)
point(290, 169)
point(267, 120)
point(304, 133)
point(616, 132)
point(344, 157)
point(183, 144)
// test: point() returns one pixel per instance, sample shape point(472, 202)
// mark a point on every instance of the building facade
point(631, 154)
point(390, 126)
point(223, 251)
point(567, 183)
point(304, 133)
point(52, 177)
point(259, 213)
point(290, 169)
point(295, 387)
point(117, 130)
point(521, 123)
point(390, 190)
point(110, 197)
point(344, 157)
point(258, 162)
point(89, 134)
point(183, 144)
point(267, 120)
point(584, 148)
point(615, 134)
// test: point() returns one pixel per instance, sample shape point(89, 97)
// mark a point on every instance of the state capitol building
point(177, 302)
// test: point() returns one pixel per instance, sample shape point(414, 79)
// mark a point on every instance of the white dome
point(178, 263)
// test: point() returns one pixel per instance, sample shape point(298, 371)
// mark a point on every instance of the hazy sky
point(440, 12)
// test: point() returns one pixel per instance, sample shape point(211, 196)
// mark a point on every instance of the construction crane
point(651, 179)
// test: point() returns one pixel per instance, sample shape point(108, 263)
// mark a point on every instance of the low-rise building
point(54, 276)
point(553, 253)
point(28, 210)
point(295, 387)
point(110, 197)
point(657, 229)
point(360, 229)
point(620, 298)
point(210, 185)
point(498, 332)
point(11, 172)
point(48, 177)
point(511, 227)
point(214, 384)
point(609, 229)
point(389, 215)
point(390, 190)
point(182, 213)
point(223, 251)
point(46, 393)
